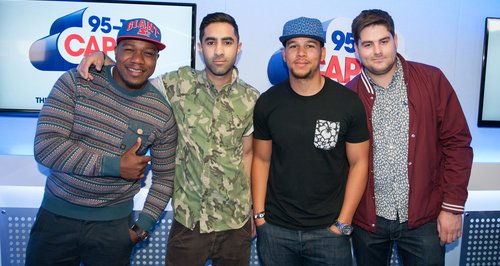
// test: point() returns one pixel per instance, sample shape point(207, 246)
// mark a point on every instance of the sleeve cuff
point(111, 166)
point(144, 222)
point(455, 209)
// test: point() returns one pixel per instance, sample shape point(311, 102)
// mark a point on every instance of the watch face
point(346, 229)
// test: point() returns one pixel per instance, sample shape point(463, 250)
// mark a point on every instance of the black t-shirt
point(308, 171)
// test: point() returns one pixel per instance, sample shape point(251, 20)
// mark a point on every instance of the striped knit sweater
point(83, 128)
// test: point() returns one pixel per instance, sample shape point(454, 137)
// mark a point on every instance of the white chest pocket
point(326, 134)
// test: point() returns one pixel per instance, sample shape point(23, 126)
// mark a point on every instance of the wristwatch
point(141, 234)
point(345, 229)
point(259, 215)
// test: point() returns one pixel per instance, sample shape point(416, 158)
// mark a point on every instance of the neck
point(307, 87)
point(382, 80)
point(220, 81)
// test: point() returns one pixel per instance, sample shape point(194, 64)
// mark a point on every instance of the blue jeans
point(58, 240)
point(419, 246)
point(281, 246)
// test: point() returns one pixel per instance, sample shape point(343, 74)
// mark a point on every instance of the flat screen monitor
point(39, 40)
point(489, 100)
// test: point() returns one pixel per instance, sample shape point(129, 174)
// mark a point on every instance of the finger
point(98, 67)
point(81, 70)
point(78, 68)
point(136, 146)
point(443, 238)
point(145, 159)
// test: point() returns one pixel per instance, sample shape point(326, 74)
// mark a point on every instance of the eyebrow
point(379, 40)
point(214, 39)
point(307, 42)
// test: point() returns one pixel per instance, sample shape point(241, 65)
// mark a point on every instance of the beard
point(301, 75)
point(219, 70)
point(382, 70)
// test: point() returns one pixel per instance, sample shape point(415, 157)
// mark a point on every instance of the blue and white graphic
point(340, 62)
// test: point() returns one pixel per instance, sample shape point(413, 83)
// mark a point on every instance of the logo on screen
point(72, 37)
point(340, 63)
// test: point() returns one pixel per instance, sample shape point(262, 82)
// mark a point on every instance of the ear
point(283, 54)
point(356, 49)
point(323, 53)
point(396, 40)
point(200, 47)
point(239, 47)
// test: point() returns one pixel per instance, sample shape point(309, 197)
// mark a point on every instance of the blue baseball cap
point(303, 27)
point(140, 29)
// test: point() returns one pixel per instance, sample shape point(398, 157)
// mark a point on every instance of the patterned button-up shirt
point(390, 120)
point(211, 186)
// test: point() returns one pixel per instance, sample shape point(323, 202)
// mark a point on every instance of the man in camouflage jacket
point(214, 113)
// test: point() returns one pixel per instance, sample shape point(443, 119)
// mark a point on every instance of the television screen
point(39, 40)
point(489, 100)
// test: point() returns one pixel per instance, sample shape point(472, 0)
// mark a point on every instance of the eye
point(210, 43)
point(149, 54)
point(228, 43)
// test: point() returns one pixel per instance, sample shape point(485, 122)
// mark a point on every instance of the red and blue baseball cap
point(140, 29)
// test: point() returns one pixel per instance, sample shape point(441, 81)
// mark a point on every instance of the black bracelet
point(104, 56)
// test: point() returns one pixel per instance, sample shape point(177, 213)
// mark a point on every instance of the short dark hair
point(371, 17)
point(218, 17)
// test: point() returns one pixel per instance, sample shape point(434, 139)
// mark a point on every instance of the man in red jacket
point(420, 157)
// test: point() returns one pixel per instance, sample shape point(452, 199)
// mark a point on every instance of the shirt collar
point(229, 86)
point(396, 77)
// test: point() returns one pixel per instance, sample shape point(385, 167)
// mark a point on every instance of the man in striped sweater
point(93, 135)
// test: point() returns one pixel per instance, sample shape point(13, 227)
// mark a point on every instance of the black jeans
point(416, 247)
point(190, 247)
point(58, 240)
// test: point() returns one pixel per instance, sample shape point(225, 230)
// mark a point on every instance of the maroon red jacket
point(439, 151)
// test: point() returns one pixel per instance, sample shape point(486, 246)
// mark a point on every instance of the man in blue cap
point(310, 162)
point(93, 135)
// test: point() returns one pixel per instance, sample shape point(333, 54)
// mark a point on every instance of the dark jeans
point(190, 247)
point(419, 246)
point(58, 240)
point(281, 246)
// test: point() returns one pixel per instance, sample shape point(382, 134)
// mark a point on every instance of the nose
point(301, 50)
point(138, 57)
point(377, 49)
point(218, 49)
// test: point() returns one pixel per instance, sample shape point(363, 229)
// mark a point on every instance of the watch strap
point(345, 229)
point(141, 234)
point(259, 215)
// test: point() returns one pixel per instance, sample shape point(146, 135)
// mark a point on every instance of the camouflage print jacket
point(211, 185)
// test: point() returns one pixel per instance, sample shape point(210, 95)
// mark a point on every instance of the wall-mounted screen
point(39, 40)
point(489, 101)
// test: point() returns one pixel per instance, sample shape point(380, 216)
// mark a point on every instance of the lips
point(135, 71)
point(378, 60)
point(301, 63)
point(219, 62)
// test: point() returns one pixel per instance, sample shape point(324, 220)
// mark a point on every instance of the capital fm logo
point(72, 37)
point(340, 63)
